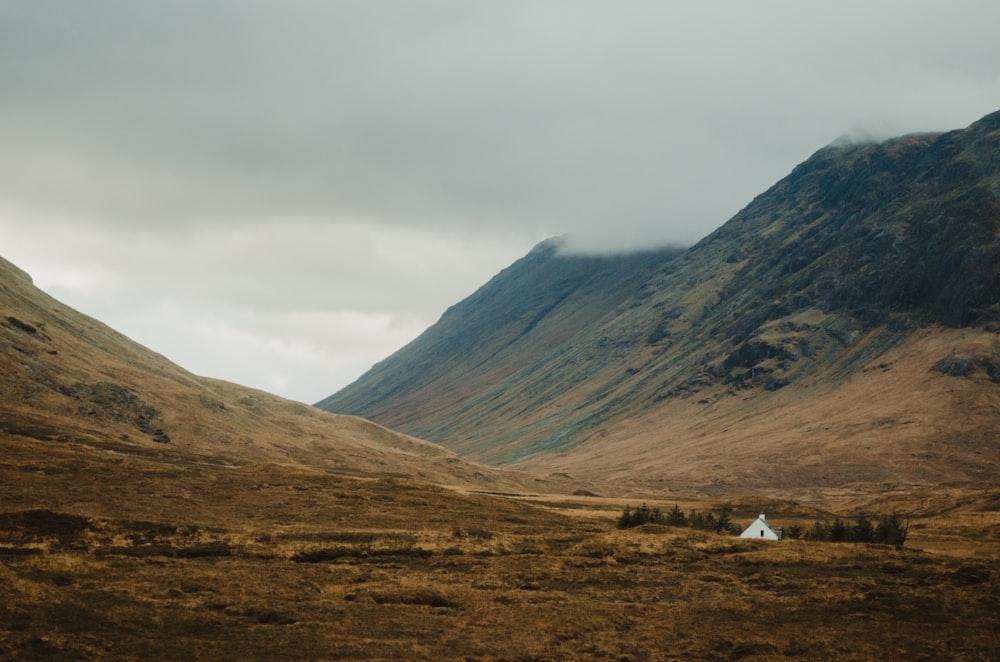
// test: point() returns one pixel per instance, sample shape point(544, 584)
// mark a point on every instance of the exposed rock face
point(968, 366)
point(855, 250)
point(113, 402)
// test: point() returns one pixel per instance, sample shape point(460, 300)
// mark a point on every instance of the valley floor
point(125, 558)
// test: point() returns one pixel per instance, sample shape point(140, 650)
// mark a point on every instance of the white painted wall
point(760, 530)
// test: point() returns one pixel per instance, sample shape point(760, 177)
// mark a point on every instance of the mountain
point(842, 329)
point(73, 385)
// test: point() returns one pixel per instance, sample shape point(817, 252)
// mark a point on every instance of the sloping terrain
point(543, 301)
point(845, 320)
point(71, 381)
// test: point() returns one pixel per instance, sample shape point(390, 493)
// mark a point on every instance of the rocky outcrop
point(112, 402)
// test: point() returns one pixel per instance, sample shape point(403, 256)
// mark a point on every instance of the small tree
point(723, 522)
point(710, 523)
point(641, 515)
point(696, 520)
point(819, 532)
point(891, 530)
point(676, 517)
point(626, 519)
point(839, 531)
point(863, 530)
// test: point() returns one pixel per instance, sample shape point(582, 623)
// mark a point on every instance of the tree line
point(882, 529)
point(719, 521)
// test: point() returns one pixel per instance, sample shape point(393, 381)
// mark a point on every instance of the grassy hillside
point(832, 303)
point(70, 380)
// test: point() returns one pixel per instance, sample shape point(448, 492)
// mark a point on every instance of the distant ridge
point(639, 366)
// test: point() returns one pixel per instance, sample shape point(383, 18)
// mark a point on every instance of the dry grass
point(895, 425)
point(126, 558)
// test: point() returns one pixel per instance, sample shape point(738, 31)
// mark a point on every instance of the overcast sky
point(281, 193)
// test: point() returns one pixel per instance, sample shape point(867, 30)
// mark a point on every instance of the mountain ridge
point(846, 258)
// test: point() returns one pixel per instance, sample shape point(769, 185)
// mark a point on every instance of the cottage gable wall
point(760, 530)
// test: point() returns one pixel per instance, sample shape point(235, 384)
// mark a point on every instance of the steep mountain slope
point(71, 381)
point(542, 301)
point(866, 260)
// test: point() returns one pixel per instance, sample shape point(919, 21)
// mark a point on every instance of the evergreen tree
point(710, 523)
point(723, 521)
point(626, 519)
point(696, 520)
point(891, 530)
point(839, 531)
point(819, 532)
point(676, 517)
point(863, 530)
point(641, 515)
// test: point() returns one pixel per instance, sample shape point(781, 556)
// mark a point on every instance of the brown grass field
point(111, 556)
point(147, 513)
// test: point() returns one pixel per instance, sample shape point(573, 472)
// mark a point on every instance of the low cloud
point(653, 119)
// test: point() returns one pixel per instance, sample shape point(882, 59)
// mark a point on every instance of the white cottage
point(760, 530)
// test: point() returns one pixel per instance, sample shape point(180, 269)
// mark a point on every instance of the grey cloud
point(546, 116)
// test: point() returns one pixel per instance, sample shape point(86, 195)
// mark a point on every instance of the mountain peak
point(860, 251)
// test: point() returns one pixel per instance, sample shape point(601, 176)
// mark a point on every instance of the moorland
point(105, 555)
